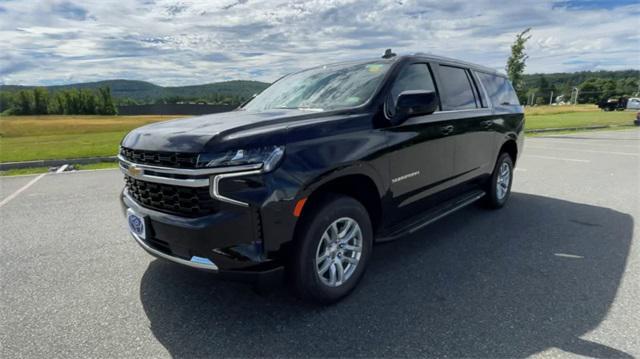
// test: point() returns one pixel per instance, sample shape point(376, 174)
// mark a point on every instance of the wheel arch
point(510, 146)
point(355, 182)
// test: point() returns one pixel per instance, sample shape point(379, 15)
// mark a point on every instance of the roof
point(456, 62)
point(419, 55)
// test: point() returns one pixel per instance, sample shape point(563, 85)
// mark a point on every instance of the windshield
point(323, 88)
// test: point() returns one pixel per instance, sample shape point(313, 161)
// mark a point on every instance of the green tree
point(70, 102)
point(24, 103)
point(7, 101)
point(590, 92)
point(40, 101)
point(517, 61)
point(105, 102)
point(56, 104)
point(86, 102)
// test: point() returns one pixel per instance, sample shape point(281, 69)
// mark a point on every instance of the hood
point(199, 134)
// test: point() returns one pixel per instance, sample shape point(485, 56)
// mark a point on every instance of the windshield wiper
point(316, 109)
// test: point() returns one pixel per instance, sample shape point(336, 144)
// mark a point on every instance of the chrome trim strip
point(185, 182)
point(157, 253)
point(189, 171)
point(215, 187)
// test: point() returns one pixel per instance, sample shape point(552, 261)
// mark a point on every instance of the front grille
point(162, 159)
point(185, 201)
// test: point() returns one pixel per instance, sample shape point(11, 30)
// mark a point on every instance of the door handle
point(446, 130)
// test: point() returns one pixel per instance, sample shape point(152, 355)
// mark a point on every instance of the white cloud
point(185, 42)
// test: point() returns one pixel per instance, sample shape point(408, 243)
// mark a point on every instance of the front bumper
point(227, 240)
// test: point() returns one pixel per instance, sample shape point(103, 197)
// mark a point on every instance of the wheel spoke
point(355, 230)
point(332, 273)
point(324, 267)
point(326, 238)
point(322, 258)
point(346, 229)
point(333, 231)
point(349, 247)
point(350, 260)
point(339, 271)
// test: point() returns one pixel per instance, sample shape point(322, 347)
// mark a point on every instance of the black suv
point(305, 177)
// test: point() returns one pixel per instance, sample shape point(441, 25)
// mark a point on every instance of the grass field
point(25, 138)
point(579, 119)
point(551, 110)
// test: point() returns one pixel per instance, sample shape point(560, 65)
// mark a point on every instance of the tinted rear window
point(499, 89)
point(455, 90)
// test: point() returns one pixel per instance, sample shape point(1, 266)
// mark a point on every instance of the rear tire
point(499, 186)
point(333, 247)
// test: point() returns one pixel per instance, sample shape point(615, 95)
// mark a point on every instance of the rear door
point(422, 158)
point(464, 102)
point(507, 113)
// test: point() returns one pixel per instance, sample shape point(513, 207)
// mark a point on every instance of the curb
point(55, 163)
point(568, 129)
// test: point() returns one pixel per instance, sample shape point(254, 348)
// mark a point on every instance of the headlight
point(269, 157)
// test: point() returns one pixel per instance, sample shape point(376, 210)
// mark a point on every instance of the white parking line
point(558, 158)
point(566, 255)
point(62, 168)
point(22, 189)
point(551, 141)
point(581, 150)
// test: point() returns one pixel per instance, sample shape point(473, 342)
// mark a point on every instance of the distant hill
point(143, 91)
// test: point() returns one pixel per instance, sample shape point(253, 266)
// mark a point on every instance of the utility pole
point(551, 98)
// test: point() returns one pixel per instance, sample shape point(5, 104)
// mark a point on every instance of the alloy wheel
point(504, 178)
point(339, 252)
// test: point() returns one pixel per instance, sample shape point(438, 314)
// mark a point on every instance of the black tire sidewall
point(307, 282)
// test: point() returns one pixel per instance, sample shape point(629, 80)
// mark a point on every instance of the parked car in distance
point(637, 121)
point(614, 104)
point(633, 103)
point(303, 179)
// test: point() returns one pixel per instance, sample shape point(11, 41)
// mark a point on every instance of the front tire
point(333, 247)
point(499, 186)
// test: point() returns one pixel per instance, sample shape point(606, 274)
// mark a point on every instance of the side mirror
point(414, 103)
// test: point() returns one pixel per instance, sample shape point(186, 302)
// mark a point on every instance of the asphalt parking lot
point(556, 272)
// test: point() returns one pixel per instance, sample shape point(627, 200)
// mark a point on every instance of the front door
point(422, 157)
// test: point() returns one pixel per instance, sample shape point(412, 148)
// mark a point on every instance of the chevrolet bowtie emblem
point(134, 171)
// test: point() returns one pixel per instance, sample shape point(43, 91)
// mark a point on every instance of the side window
point(499, 89)
point(481, 96)
point(455, 90)
point(412, 77)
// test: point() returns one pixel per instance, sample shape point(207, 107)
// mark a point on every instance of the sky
point(174, 43)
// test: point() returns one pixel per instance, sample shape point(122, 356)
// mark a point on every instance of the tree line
point(577, 87)
point(209, 99)
point(39, 101)
point(590, 87)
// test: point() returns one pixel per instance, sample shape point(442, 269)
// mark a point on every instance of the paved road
point(556, 272)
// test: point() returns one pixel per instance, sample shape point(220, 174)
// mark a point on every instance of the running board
point(416, 223)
